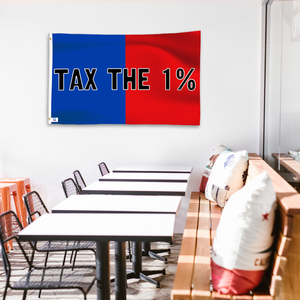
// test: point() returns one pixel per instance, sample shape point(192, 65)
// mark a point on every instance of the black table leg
point(120, 270)
point(153, 253)
point(122, 274)
point(137, 266)
point(137, 258)
point(103, 271)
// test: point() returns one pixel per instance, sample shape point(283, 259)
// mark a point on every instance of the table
point(136, 188)
point(108, 227)
point(151, 177)
point(119, 204)
point(140, 188)
point(125, 204)
point(153, 169)
point(288, 162)
point(291, 169)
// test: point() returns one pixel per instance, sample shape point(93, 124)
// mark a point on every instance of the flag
point(125, 79)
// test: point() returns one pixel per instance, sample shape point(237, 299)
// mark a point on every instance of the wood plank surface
point(263, 297)
point(216, 212)
point(217, 296)
point(287, 196)
point(242, 297)
point(201, 278)
point(283, 244)
point(290, 287)
point(288, 162)
point(276, 283)
point(284, 222)
point(279, 264)
point(183, 278)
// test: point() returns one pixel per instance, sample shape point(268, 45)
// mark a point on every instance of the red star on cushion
point(265, 216)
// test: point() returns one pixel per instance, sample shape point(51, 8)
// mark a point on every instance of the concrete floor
point(137, 289)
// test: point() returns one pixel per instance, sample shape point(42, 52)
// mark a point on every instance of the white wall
point(230, 92)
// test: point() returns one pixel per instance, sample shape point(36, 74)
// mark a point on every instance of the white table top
point(136, 188)
point(118, 204)
point(154, 169)
point(101, 227)
point(154, 177)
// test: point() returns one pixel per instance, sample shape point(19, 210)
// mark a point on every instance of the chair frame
point(66, 189)
point(79, 180)
point(103, 168)
point(49, 249)
point(23, 284)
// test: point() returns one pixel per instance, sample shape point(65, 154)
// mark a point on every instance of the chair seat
point(67, 246)
point(81, 277)
point(38, 278)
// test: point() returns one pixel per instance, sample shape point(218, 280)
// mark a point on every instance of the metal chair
point(103, 168)
point(37, 278)
point(79, 180)
point(70, 188)
point(35, 208)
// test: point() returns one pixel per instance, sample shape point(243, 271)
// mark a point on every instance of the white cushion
point(242, 245)
point(228, 175)
point(209, 165)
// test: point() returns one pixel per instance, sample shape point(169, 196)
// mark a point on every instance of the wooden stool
point(23, 186)
point(7, 190)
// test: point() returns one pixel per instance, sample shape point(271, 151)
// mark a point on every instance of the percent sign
point(191, 83)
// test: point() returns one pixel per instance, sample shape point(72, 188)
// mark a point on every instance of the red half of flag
point(170, 67)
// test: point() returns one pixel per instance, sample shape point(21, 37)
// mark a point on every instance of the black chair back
point(103, 168)
point(10, 226)
point(34, 205)
point(79, 180)
point(70, 188)
point(37, 278)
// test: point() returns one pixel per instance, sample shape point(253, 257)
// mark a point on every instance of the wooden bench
point(282, 279)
